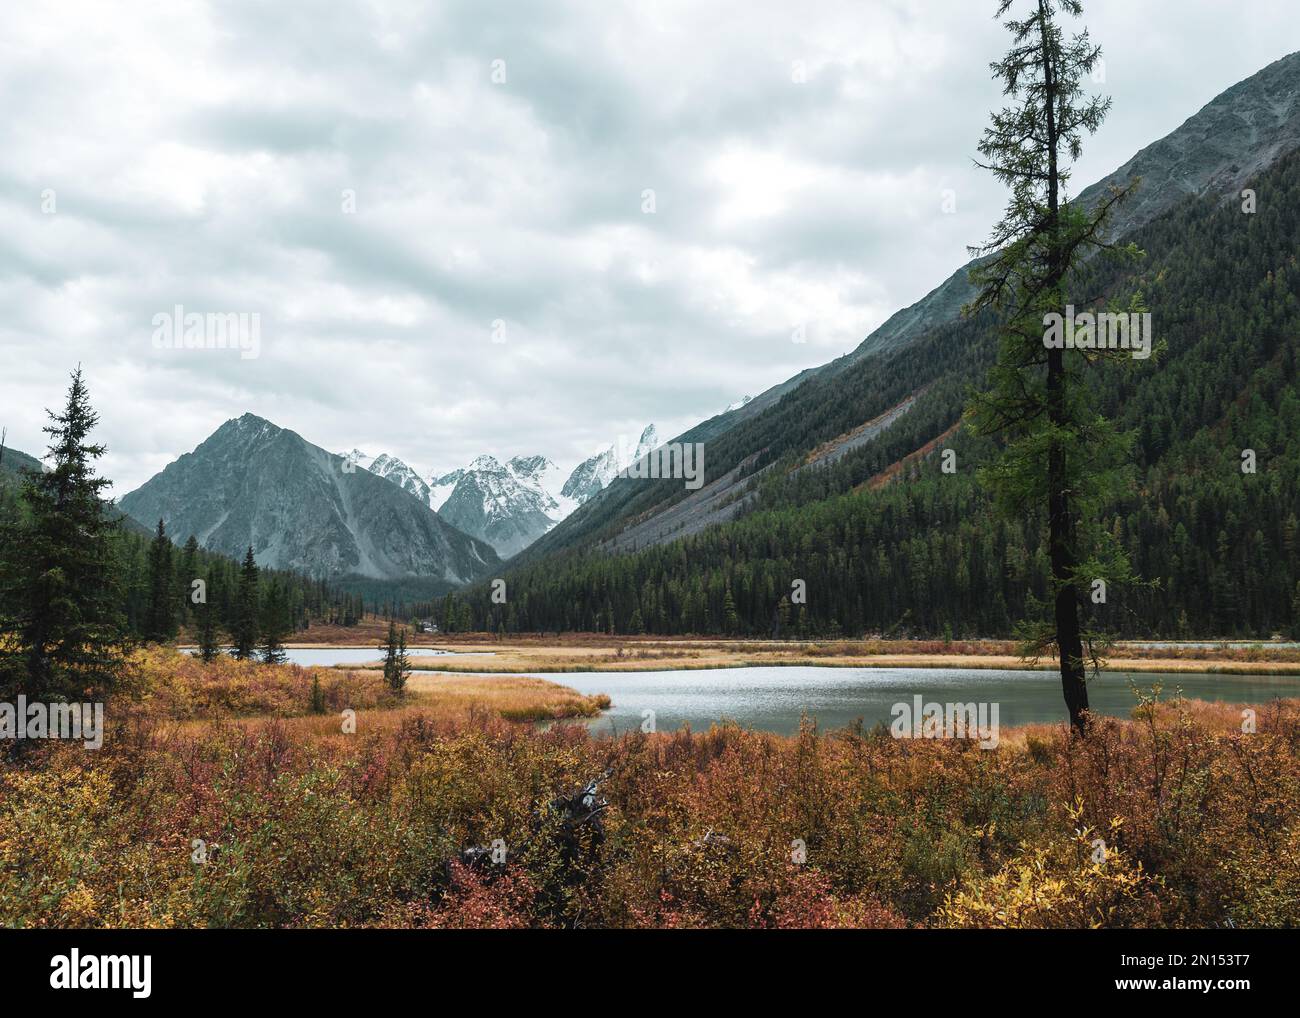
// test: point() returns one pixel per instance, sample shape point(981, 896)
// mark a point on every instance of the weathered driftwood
point(577, 821)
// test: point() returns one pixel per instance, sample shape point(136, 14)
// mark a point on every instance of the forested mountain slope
point(1235, 136)
point(923, 551)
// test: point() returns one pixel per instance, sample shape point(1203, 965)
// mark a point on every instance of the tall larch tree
point(1060, 457)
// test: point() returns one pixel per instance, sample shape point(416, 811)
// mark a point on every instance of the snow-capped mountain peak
point(356, 456)
point(509, 505)
point(592, 475)
point(441, 487)
point(648, 442)
point(393, 469)
point(530, 466)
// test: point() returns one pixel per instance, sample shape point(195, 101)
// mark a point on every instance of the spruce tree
point(206, 623)
point(730, 619)
point(244, 627)
point(275, 625)
point(401, 664)
point(1060, 456)
point(160, 619)
point(62, 630)
point(317, 705)
point(389, 647)
point(782, 616)
point(187, 571)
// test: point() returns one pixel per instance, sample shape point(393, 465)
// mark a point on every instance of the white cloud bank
point(203, 154)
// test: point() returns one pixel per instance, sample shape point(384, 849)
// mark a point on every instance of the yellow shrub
point(50, 846)
point(1075, 882)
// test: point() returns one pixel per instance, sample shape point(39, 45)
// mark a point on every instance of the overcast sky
point(381, 182)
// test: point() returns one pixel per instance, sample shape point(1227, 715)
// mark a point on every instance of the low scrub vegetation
point(175, 685)
point(167, 684)
point(1173, 818)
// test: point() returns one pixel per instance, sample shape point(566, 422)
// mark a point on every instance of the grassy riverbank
point(174, 686)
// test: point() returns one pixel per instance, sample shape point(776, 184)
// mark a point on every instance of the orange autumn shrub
point(177, 685)
point(473, 901)
point(290, 822)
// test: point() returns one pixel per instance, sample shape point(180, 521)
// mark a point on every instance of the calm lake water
point(772, 699)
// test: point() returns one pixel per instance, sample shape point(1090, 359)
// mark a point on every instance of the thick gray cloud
point(208, 155)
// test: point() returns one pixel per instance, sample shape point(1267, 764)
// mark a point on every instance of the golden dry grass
point(177, 687)
point(513, 697)
point(446, 699)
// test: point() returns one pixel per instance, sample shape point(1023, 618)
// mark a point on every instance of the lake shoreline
point(613, 654)
point(990, 663)
point(566, 653)
point(634, 654)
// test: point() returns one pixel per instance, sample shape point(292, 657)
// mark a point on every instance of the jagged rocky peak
point(593, 475)
point(252, 483)
point(528, 466)
point(393, 469)
point(508, 505)
point(590, 476)
point(649, 441)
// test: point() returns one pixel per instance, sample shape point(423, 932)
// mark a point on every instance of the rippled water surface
point(774, 698)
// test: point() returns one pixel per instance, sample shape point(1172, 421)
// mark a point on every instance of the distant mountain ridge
point(509, 505)
point(13, 462)
point(252, 483)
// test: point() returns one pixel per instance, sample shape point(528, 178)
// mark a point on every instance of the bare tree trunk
point(1069, 643)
